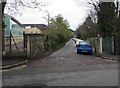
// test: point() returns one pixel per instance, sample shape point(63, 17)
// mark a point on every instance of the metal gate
point(107, 44)
point(117, 44)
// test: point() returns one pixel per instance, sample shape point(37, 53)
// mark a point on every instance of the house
point(33, 31)
point(41, 27)
point(13, 28)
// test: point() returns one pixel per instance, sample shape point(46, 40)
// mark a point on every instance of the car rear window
point(84, 43)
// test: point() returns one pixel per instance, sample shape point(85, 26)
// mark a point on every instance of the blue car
point(84, 47)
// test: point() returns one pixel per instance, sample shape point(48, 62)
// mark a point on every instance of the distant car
point(84, 47)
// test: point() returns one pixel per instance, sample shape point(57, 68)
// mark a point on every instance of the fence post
point(28, 46)
point(10, 41)
point(113, 44)
point(98, 46)
point(25, 43)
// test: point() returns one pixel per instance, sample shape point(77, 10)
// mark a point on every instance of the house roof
point(33, 31)
point(39, 26)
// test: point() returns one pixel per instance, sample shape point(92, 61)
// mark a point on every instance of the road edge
point(13, 65)
point(107, 58)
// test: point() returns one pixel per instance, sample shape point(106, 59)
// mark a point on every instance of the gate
point(117, 44)
point(107, 44)
point(34, 45)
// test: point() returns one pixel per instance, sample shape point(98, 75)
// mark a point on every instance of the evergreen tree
point(106, 18)
point(87, 30)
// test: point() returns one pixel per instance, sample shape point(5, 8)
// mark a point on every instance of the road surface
point(64, 68)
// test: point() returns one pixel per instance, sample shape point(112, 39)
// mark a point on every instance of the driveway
point(65, 68)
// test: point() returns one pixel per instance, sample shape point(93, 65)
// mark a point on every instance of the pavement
point(8, 63)
point(110, 56)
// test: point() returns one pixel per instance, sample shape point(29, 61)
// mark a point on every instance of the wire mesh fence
point(14, 46)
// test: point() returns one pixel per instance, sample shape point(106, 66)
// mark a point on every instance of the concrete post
point(100, 45)
point(97, 46)
point(113, 44)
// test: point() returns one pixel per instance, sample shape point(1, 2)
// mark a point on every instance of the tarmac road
point(65, 68)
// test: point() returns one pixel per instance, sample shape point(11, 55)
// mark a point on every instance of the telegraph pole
point(2, 26)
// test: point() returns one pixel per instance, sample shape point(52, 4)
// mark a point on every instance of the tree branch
point(15, 6)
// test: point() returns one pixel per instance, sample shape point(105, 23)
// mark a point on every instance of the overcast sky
point(72, 10)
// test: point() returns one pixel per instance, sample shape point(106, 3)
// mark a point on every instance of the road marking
point(11, 69)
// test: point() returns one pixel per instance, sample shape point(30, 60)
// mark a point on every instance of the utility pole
point(2, 25)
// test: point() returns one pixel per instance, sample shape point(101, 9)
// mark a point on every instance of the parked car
point(84, 47)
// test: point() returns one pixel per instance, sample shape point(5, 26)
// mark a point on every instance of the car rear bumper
point(84, 51)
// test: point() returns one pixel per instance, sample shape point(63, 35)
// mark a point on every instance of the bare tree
point(14, 7)
point(91, 6)
point(47, 17)
point(94, 5)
